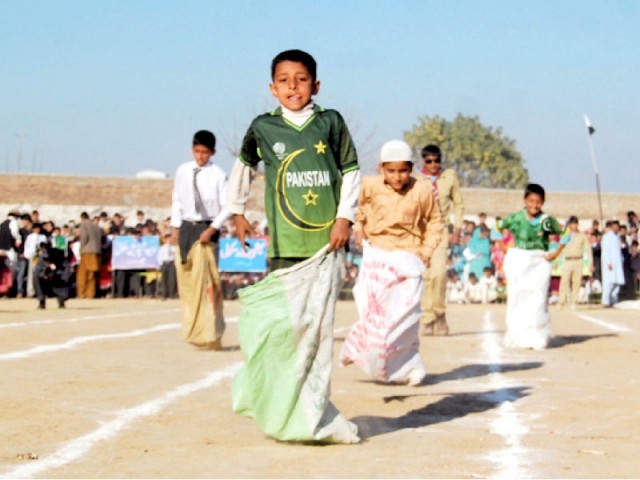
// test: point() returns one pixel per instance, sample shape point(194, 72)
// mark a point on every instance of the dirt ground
point(107, 389)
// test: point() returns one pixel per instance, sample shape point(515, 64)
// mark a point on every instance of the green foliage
point(481, 155)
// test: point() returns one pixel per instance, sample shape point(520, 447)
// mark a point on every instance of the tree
point(481, 155)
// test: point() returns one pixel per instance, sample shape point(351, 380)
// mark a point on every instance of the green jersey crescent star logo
point(547, 224)
point(284, 207)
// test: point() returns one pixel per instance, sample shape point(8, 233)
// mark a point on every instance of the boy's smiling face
point(293, 85)
point(431, 163)
point(533, 204)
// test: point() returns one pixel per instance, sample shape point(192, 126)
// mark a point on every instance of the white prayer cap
point(396, 151)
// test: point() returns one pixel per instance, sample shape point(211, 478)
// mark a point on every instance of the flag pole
point(590, 131)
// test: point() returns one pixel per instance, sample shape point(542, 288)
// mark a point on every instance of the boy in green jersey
point(312, 183)
point(311, 167)
point(527, 267)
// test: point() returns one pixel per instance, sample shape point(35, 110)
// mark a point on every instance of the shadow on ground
point(451, 407)
point(559, 341)
point(470, 371)
point(479, 370)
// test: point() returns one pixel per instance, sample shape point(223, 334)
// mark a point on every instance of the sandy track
point(123, 404)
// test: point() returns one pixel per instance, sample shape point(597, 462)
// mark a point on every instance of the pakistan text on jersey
point(315, 178)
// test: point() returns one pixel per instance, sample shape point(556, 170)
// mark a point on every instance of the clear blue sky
point(115, 87)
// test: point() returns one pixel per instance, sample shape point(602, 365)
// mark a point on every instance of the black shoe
point(41, 305)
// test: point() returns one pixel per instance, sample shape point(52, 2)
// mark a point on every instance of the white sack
point(528, 274)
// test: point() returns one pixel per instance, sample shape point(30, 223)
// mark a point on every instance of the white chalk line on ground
point(74, 342)
point(510, 460)
point(89, 317)
point(602, 323)
point(78, 448)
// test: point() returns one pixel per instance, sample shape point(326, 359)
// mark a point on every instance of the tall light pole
point(590, 132)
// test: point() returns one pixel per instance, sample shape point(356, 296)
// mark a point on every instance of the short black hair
point(295, 56)
point(84, 216)
point(431, 149)
point(206, 138)
point(534, 188)
point(572, 219)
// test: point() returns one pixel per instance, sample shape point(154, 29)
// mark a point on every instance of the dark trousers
point(121, 283)
point(169, 285)
point(190, 234)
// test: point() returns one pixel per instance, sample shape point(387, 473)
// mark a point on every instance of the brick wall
point(69, 195)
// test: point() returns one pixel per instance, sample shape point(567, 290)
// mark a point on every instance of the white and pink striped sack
point(384, 342)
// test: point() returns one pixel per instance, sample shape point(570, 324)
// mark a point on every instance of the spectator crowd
point(37, 257)
point(27, 241)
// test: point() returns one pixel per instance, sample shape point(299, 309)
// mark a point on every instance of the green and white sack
point(286, 334)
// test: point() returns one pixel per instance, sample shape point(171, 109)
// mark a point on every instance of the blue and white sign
point(233, 259)
point(131, 253)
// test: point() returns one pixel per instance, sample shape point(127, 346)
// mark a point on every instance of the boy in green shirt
point(527, 267)
point(311, 167)
point(312, 182)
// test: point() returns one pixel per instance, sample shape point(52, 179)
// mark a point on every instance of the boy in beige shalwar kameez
point(398, 216)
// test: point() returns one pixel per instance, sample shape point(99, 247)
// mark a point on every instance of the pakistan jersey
point(303, 168)
point(531, 234)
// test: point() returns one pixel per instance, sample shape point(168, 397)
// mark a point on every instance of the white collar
point(195, 164)
point(301, 116)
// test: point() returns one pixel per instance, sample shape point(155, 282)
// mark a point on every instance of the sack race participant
point(527, 267)
point(400, 218)
point(312, 179)
point(200, 293)
point(197, 213)
point(286, 334)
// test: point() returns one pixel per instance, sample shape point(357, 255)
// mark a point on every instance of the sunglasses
point(427, 162)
